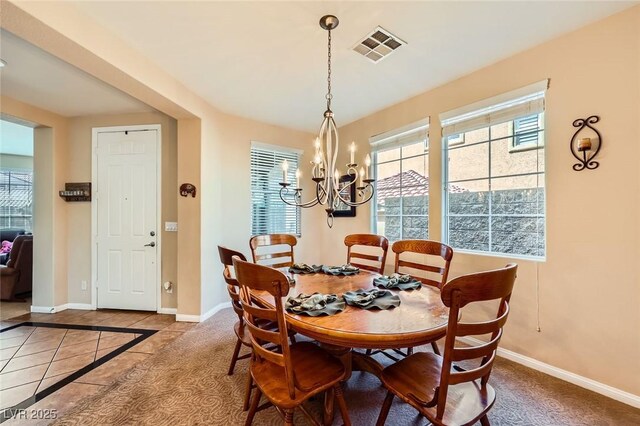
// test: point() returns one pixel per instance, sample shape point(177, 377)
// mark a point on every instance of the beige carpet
point(186, 384)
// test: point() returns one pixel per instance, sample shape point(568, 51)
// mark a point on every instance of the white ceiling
point(267, 60)
point(38, 78)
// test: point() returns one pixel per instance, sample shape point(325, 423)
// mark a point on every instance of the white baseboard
point(200, 318)
point(47, 309)
point(60, 308)
point(187, 318)
point(583, 382)
point(168, 311)
point(81, 306)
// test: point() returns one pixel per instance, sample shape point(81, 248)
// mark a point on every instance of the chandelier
point(331, 190)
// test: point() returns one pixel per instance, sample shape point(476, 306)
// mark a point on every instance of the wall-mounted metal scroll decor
point(583, 147)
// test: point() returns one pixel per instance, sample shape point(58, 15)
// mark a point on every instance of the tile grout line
point(95, 354)
point(54, 355)
point(24, 368)
point(20, 347)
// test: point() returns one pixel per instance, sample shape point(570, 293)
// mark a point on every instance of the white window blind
point(406, 135)
point(269, 214)
point(526, 101)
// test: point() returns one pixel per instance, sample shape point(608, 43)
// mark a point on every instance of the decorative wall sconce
point(188, 188)
point(585, 148)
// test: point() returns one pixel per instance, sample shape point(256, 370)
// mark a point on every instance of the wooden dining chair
point(369, 240)
point(431, 271)
point(444, 392)
point(290, 374)
point(240, 328)
point(271, 258)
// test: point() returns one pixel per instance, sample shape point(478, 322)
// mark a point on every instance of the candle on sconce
point(367, 162)
point(352, 150)
point(361, 177)
point(337, 176)
point(584, 144)
point(298, 175)
point(285, 168)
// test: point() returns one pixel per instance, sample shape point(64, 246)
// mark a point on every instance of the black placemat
point(303, 268)
point(341, 270)
point(397, 281)
point(315, 304)
point(361, 298)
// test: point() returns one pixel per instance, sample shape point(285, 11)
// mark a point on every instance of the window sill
point(506, 256)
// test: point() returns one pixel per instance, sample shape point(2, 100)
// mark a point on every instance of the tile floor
point(34, 358)
point(13, 309)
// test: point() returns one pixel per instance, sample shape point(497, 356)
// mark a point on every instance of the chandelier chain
point(329, 184)
point(329, 95)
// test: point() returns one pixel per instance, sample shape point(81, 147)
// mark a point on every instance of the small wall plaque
point(77, 191)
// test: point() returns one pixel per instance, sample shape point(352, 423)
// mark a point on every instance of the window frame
point(445, 217)
point(290, 154)
point(422, 125)
point(29, 188)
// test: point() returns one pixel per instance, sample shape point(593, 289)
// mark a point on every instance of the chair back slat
point(369, 240)
point(366, 256)
point(485, 327)
point(266, 256)
point(430, 250)
point(482, 286)
point(474, 374)
point(366, 267)
point(260, 312)
point(261, 335)
point(475, 352)
point(421, 267)
point(235, 300)
point(478, 287)
point(233, 288)
point(260, 241)
point(254, 277)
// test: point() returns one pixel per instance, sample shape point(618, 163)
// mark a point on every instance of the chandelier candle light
point(324, 172)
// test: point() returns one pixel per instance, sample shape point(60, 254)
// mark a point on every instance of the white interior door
point(126, 243)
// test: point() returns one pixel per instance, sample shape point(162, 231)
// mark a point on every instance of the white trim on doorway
point(94, 206)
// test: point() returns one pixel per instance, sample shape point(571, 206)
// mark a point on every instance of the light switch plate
point(171, 226)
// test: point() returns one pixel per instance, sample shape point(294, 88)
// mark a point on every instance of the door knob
point(151, 244)
point(152, 233)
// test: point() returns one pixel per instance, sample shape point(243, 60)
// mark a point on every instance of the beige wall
point(79, 214)
point(590, 282)
point(49, 210)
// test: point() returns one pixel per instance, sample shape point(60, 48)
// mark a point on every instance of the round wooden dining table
point(420, 318)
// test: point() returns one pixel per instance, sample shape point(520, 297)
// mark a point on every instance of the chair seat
point(419, 375)
point(315, 371)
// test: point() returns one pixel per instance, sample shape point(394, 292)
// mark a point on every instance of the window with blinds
point(494, 174)
point(401, 167)
point(269, 214)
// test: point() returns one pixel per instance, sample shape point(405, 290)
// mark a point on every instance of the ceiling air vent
point(379, 44)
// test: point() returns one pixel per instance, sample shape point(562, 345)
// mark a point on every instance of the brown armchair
point(16, 276)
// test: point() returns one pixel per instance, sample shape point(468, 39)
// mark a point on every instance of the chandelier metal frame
point(324, 172)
